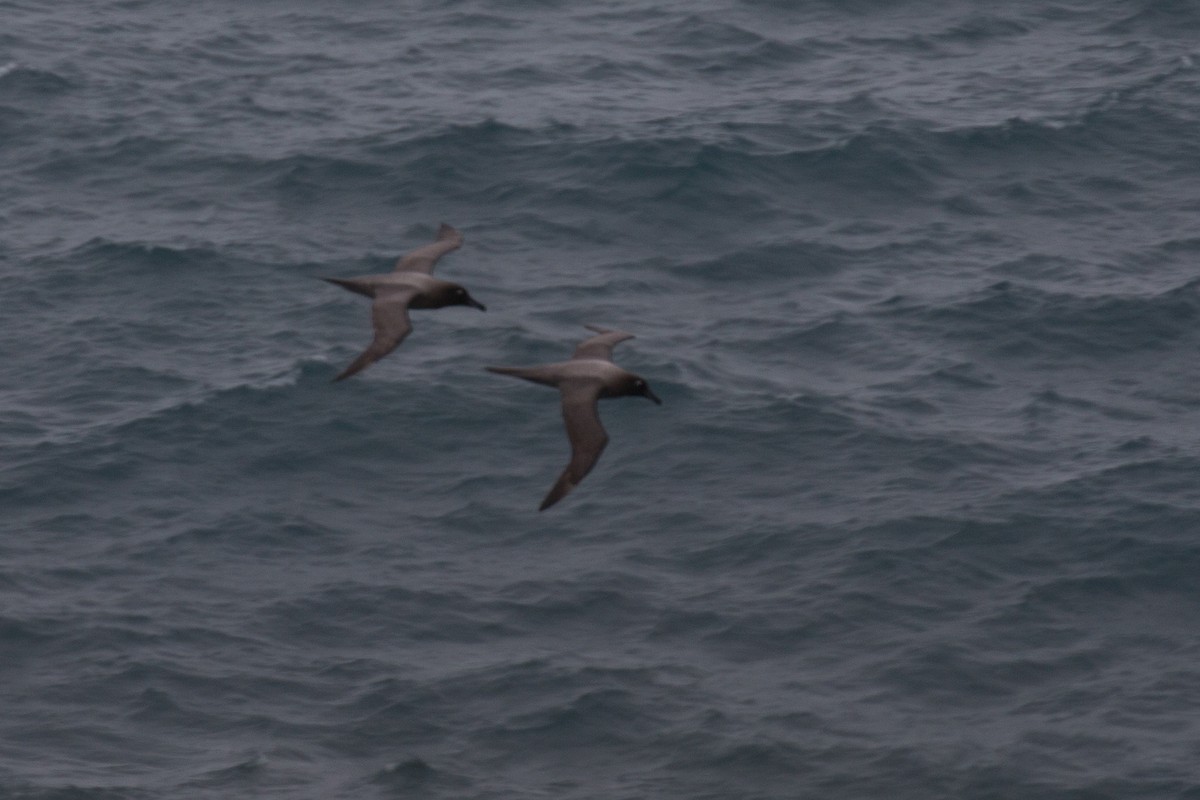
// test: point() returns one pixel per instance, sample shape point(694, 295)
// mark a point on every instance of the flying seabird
point(410, 285)
point(589, 376)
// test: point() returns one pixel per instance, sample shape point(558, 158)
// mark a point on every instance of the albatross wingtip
point(447, 231)
point(602, 330)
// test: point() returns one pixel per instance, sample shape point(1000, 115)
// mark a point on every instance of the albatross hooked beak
point(471, 301)
point(649, 395)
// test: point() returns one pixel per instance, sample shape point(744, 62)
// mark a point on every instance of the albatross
point(409, 285)
point(589, 376)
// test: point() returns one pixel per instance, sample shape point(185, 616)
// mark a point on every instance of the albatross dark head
point(455, 295)
point(635, 385)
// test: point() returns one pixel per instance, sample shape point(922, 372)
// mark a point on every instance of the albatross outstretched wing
point(389, 316)
point(585, 433)
point(423, 258)
point(601, 345)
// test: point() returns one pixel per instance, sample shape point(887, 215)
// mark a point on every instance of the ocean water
point(919, 284)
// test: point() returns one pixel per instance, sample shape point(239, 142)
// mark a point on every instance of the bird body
point(427, 291)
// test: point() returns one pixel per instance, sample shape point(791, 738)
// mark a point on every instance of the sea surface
point(918, 283)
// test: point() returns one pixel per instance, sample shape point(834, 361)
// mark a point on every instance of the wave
point(1169, 17)
point(1142, 486)
point(496, 154)
point(742, 171)
point(707, 45)
point(17, 80)
point(1138, 127)
point(953, 38)
point(153, 398)
point(881, 157)
point(1019, 319)
point(111, 257)
point(279, 425)
point(758, 268)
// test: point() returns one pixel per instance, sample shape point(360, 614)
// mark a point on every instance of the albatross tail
point(354, 285)
point(540, 375)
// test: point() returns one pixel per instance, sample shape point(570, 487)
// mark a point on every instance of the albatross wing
point(389, 316)
point(587, 436)
point(601, 345)
point(424, 258)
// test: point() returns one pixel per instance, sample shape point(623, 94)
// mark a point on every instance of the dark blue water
point(918, 282)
